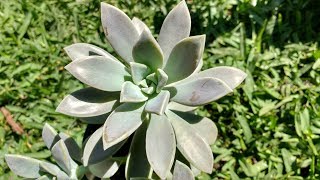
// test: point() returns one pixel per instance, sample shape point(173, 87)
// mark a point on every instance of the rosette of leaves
point(65, 152)
point(148, 94)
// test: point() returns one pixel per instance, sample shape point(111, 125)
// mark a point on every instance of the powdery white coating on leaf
point(138, 72)
point(49, 135)
point(230, 75)
point(184, 58)
point(82, 50)
point(61, 155)
point(88, 102)
point(72, 146)
point(23, 166)
point(140, 26)
point(52, 169)
point(191, 145)
point(99, 72)
point(93, 151)
point(182, 172)
point(137, 164)
point(105, 169)
point(131, 93)
point(162, 78)
point(176, 26)
point(159, 103)
point(121, 123)
point(180, 107)
point(198, 92)
point(160, 145)
point(147, 51)
point(205, 127)
point(119, 30)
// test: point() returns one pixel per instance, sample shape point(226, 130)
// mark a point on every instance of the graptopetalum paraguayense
point(149, 95)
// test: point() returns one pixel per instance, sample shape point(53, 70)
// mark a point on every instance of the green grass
point(268, 128)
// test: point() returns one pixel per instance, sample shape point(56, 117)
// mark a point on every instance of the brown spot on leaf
point(194, 97)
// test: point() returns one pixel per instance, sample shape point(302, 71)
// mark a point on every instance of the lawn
point(269, 127)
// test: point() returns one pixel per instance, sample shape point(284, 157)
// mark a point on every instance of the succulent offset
point(65, 151)
point(149, 95)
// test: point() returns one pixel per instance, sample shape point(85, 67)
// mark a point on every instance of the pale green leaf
point(137, 164)
point(131, 93)
point(99, 72)
point(147, 51)
point(160, 145)
point(191, 145)
point(159, 103)
point(176, 26)
point(123, 121)
point(198, 91)
point(23, 166)
point(184, 58)
point(182, 171)
point(94, 152)
point(88, 102)
point(82, 50)
point(104, 169)
point(119, 30)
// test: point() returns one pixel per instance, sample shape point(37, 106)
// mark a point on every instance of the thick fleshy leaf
point(119, 30)
point(61, 155)
point(49, 135)
point(147, 51)
point(160, 145)
point(82, 50)
point(204, 126)
point(88, 102)
point(198, 91)
point(52, 169)
point(131, 93)
point(23, 166)
point(99, 72)
point(149, 90)
point(95, 119)
point(182, 171)
point(137, 164)
point(229, 75)
point(180, 107)
point(138, 72)
point(123, 121)
point(175, 27)
point(44, 177)
point(159, 103)
point(93, 151)
point(162, 78)
point(193, 147)
point(153, 78)
point(140, 26)
point(72, 146)
point(184, 58)
point(105, 169)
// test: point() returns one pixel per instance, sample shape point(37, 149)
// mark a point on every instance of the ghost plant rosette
point(148, 95)
point(145, 94)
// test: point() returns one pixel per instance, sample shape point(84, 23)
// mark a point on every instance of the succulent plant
point(65, 151)
point(149, 92)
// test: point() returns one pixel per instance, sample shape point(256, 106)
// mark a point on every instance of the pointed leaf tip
point(160, 145)
point(99, 72)
point(185, 57)
point(123, 121)
point(23, 166)
point(119, 30)
point(147, 51)
point(176, 26)
point(182, 171)
point(131, 93)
